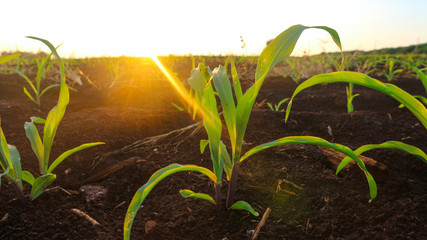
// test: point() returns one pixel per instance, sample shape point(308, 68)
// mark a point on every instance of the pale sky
point(159, 27)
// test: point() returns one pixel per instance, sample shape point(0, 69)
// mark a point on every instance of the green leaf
point(421, 98)
point(7, 58)
point(66, 154)
point(142, 192)
point(236, 81)
point(203, 144)
point(422, 76)
point(38, 120)
point(271, 107)
point(55, 53)
point(242, 205)
point(28, 177)
point(41, 70)
point(278, 50)
point(36, 143)
point(181, 109)
point(56, 113)
point(197, 81)
point(213, 127)
point(280, 103)
point(16, 163)
point(26, 79)
point(30, 97)
point(47, 88)
point(4, 151)
point(283, 45)
point(317, 142)
point(223, 88)
point(397, 71)
point(40, 184)
point(186, 193)
point(416, 107)
point(389, 144)
point(226, 160)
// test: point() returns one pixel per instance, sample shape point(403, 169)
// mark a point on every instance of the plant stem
point(232, 185)
point(20, 193)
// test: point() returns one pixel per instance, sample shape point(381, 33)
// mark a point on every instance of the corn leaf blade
point(187, 193)
point(278, 50)
point(4, 152)
point(390, 145)
point(47, 88)
point(317, 142)
point(416, 107)
point(38, 120)
point(223, 88)
point(57, 113)
point(7, 58)
point(29, 96)
point(242, 205)
point(236, 82)
point(16, 163)
point(36, 143)
point(40, 184)
point(283, 45)
point(203, 145)
point(142, 192)
point(66, 154)
point(28, 177)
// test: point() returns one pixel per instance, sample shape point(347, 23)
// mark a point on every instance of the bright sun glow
point(175, 81)
point(147, 28)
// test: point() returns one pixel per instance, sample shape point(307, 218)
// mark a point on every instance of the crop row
point(211, 90)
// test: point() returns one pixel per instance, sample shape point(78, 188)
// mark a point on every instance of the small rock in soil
point(149, 226)
point(93, 194)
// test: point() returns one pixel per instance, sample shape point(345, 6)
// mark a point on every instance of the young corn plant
point(42, 148)
point(390, 71)
point(415, 106)
point(423, 77)
point(350, 97)
point(406, 99)
point(10, 160)
point(295, 73)
point(42, 67)
point(236, 116)
point(9, 156)
point(276, 107)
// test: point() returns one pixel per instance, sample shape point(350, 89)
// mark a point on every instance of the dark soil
point(324, 206)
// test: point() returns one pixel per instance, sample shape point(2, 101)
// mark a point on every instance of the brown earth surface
point(307, 199)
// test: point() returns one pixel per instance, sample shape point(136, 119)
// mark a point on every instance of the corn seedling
point(364, 64)
point(10, 162)
point(236, 117)
point(42, 148)
point(390, 71)
point(42, 67)
point(350, 97)
point(416, 107)
point(423, 79)
point(10, 159)
point(410, 102)
point(276, 107)
point(295, 73)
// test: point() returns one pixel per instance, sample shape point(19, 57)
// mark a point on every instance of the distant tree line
point(415, 49)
